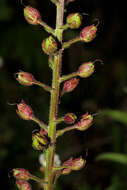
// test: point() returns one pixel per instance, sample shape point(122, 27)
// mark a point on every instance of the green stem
point(47, 27)
point(70, 42)
point(54, 100)
point(62, 131)
point(40, 123)
point(66, 77)
point(44, 86)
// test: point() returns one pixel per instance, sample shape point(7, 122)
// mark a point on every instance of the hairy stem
point(54, 100)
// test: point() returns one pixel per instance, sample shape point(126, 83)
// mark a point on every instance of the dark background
point(20, 49)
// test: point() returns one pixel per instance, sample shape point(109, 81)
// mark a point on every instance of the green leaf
point(114, 157)
point(117, 115)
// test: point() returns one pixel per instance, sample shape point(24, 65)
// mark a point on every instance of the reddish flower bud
point(24, 111)
point(78, 164)
point(71, 164)
point(67, 164)
point(85, 122)
point(49, 45)
point(70, 118)
point(25, 78)
point(70, 85)
point(39, 141)
point(88, 33)
point(43, 132)
point(23, 185)
point(32, 15)
point(74, 20)
point(86, 69)
point(20, 173)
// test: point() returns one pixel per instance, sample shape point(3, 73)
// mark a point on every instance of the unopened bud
point(67, 165)
point(32, 15)
point(70, 85)
point(20, 173)
point(39, 141)
point(25, 78)
point(23, 185)
point(88, 33)
point(24, 111)
point(85, 122)
point(70, 118)
point(78, 164)
point(74, 20)
point(71, 164)
point(86, 69)
point(49, 45)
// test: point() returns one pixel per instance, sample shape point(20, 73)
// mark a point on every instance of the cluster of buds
point(40, 140)
point(73, 164)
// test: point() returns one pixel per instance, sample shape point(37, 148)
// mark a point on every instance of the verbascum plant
point(46, 138)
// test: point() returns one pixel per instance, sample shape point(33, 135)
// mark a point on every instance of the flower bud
point(69, 85)
point(67, 164)
point(71, 164)
point(74, 20)
point(32, 15)
point(85, 122)
point(39, 141)
point(88, 33)
point(25, 78)
point(78, 164)
point(23, 185)
point(70, 118)
point(24, 111)
point(86, 69)
point(49, 45)
point(22, 174)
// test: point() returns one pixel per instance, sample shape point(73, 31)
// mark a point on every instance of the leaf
point(117, 115)
point(114, 157)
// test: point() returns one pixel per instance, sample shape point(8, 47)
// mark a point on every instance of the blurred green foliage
point(103, 93)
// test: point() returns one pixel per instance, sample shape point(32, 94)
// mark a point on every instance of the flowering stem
point(54, 99)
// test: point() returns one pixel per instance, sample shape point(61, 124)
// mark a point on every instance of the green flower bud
point(86, 69)
point(32, 15)
point(39, 141)
point(49, 45)
point(74, 20)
